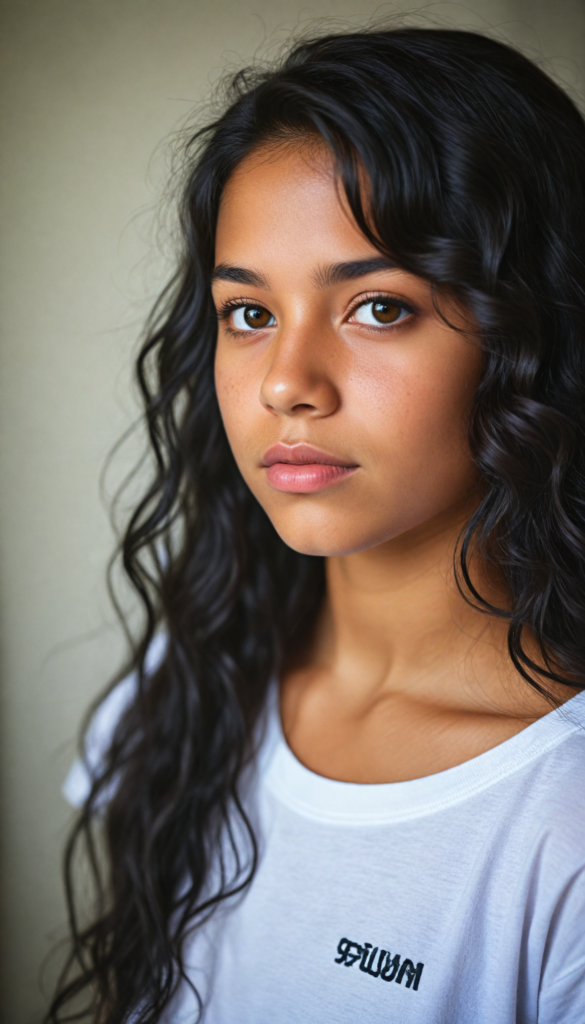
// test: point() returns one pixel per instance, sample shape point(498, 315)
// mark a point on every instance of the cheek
point(413, 419)
point(237, 394)
point(412, 402)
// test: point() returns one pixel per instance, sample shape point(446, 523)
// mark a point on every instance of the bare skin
point(404, 678)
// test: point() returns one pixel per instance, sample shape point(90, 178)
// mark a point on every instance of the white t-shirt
point(454, 899)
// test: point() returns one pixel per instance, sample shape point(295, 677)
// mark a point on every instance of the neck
point(395, 621)
point(405, 677)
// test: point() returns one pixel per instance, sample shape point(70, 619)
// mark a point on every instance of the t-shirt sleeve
point(562, 994)
point(79, 779)
point(563, 1002)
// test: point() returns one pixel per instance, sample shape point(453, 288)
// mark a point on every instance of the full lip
point(304, 469)
point(302, 455)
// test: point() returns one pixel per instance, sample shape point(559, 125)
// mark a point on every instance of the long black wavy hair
point(476, 167)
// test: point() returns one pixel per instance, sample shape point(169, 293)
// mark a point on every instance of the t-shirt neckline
point(349, 803)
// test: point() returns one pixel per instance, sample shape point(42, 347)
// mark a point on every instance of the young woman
point(345, 780)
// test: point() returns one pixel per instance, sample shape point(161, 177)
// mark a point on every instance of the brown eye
point(385, 312)
point(253, 317)
point(379, 312)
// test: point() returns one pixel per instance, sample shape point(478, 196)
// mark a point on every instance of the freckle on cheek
point(378, 392)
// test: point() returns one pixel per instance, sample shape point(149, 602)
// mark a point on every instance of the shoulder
point(97, 740)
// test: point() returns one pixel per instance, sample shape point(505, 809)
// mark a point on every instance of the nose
point(300, 378)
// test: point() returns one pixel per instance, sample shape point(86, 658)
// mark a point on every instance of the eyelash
point(227, 308)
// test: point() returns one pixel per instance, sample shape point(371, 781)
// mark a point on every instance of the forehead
point(286, 202)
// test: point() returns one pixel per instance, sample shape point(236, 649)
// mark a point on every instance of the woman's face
point(343, 394)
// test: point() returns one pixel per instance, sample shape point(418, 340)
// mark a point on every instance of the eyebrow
point(239, 275)
point(335, 273)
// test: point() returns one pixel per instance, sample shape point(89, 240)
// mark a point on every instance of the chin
point(326, 540)
point(314, 546)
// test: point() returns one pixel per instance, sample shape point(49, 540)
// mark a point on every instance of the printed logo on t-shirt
point(379, 963)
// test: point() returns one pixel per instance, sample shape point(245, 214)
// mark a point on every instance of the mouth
point(303, 469)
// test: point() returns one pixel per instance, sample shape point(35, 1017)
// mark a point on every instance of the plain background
point(91, 93)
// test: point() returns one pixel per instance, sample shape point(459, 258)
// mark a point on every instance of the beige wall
point(90, 88)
